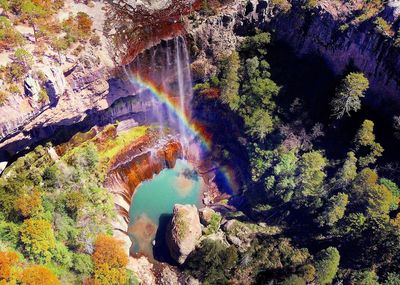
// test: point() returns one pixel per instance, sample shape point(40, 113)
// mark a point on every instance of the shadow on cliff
point(312, 80)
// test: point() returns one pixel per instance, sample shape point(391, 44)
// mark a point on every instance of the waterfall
point(167, 67)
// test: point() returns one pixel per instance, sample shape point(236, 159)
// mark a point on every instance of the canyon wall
point(318, 32)
point(87, 89)
point(321, 32)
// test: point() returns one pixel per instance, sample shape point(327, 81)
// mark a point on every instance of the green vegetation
point(55, 215)
point(316, 209)
point(382, 26)
point(282, 5)
point(370, 9)
point(113, 147)
point(348, 96)
point(9, 37)
point(327, 265)
point(230, 81)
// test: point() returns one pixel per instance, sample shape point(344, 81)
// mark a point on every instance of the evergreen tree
point(230, 81)
point(348, 96)
point(327, 265)
point(312, 175)
point(334, 210)
point(366, 146)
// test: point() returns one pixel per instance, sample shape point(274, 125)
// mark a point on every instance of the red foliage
point(211, 93)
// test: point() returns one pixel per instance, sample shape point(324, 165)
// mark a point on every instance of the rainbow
point(225, 174)
point(195, 128)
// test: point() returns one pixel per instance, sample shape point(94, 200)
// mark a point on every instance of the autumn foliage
point(7, 261)
point(38, 275)
point(109, 261)
point(84, 22)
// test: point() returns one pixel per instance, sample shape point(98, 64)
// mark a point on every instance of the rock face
point(32, 88)
point(184, 232)
point(82, 86)
point(147, 4)
point(359, 47)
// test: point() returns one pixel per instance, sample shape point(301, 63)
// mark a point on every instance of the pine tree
point(348, 96)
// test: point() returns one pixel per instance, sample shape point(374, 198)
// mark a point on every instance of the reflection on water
point(154, 201)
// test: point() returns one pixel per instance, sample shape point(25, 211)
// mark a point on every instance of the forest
point(335, 204)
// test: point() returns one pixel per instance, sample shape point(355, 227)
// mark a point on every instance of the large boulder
point(184, 232)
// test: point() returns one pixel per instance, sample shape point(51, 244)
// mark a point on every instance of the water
point(167, 66)
point(153, 203)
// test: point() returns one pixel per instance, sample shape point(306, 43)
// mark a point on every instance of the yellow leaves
point(38, 238)
point(106, 275)
point(109, 261)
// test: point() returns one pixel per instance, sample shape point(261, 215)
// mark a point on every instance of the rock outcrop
point(184, 232)
point(32, 88)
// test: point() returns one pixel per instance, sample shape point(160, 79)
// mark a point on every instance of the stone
point(168, 277)
point(142, 267)
point(56, 82)
point(183, 232)
point(239, 234)
point(3, 166)
point(32, 87)
point(205, 215)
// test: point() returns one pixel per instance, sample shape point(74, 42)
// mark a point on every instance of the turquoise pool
point(153, 202)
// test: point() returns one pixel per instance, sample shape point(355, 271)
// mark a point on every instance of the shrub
point(43, 96)
point(282, 5)
point(8, 260)
point(29, 204)
point(109, 261)
point(9, 232)
point(311, 4)
point(38, 239)
point(95, 40)
point(382, 26)
point(82, 263)
point(84, 23)
point(3, 97)
point(62, 255)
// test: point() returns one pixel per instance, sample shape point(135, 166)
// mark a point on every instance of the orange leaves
point(29, 205)
point(11, 272)
point(7, 261)
point(38, 275)
point(84, 22)
point(109, 251)
point(109, 261)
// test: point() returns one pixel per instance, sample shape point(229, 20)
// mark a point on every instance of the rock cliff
point(81, 86)
point(329, 32)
